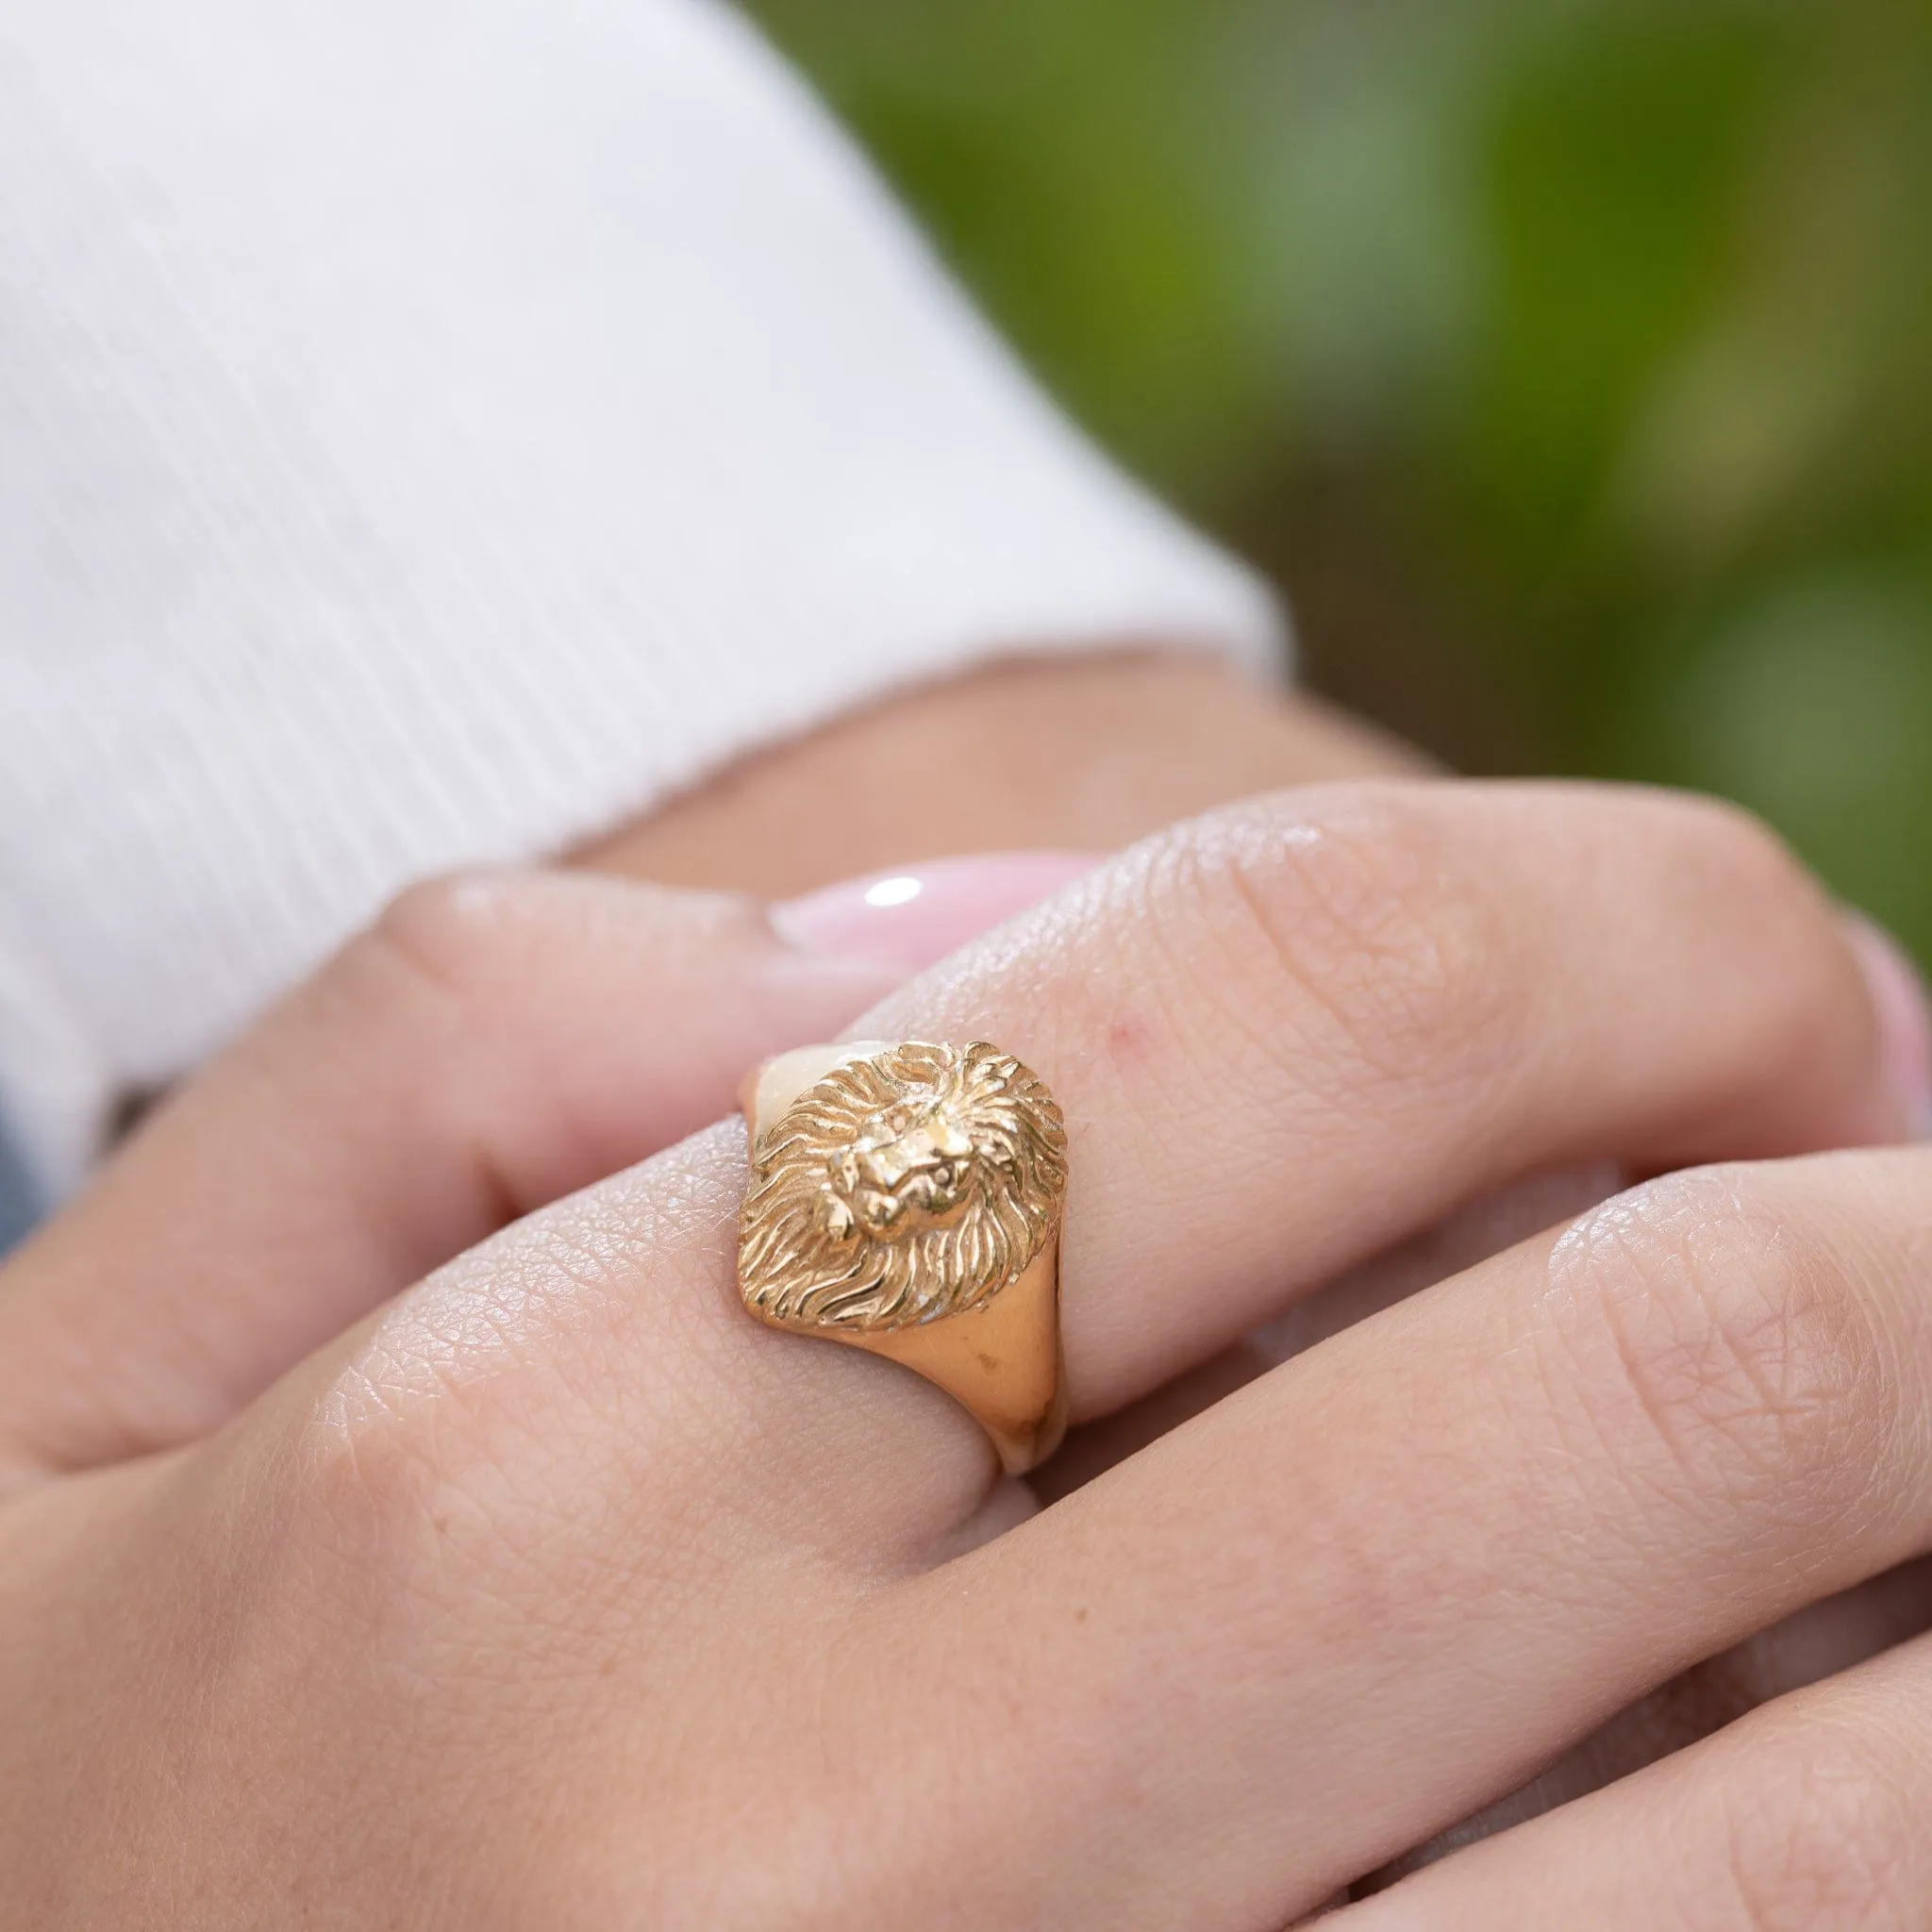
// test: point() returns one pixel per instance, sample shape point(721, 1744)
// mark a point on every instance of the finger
point(1808, 1813)
point(1415, 1565)
point(1470, 1234)
point(1285, 1036)
point(492, 1044)
point(1288, 1037)
point(1818, 1642)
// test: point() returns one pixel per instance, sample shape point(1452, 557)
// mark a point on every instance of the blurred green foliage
point(1569, 360)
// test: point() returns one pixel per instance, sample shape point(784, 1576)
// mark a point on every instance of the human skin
point(1092, 753)
point(1086, 754)
point(553, 1591)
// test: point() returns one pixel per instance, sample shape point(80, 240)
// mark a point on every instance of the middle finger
point(1293, 1034)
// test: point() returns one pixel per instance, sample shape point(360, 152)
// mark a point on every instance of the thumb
point(492, 1043)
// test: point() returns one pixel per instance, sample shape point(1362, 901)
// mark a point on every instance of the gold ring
point(905, 1199)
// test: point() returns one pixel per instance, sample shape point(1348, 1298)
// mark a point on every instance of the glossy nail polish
point(915, 914)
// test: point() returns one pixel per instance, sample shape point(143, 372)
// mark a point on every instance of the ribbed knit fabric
point(430, 430)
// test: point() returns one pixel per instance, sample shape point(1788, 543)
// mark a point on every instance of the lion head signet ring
point(905, 1199)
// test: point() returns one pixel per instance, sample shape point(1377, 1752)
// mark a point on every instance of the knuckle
point(1699, 1315)
point(1824, 1836)
point(1807, 1002)
point(450, 931)
point(412, 1455)
point(1367, 916)
point(434, 966)
point(433, 1442)
point(1728, 842)
point(371, 1470)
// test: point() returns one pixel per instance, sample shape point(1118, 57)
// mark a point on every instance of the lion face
point(902, 1188)
point(912, 1167)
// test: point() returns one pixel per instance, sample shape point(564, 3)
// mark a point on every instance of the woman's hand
point(555, 1593)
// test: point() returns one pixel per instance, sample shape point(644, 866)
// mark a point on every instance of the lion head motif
point(902, 1188)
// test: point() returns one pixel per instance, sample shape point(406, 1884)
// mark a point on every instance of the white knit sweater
point(429, 431)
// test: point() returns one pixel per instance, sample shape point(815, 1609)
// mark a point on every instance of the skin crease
point(536, 1540)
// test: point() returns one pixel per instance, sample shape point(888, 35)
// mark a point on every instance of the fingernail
point(1905, 1018)
point(915, 914)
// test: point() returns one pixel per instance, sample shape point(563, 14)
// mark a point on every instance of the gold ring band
point(905, 1199)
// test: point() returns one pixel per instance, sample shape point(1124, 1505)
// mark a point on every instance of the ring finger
point(1286, 1036)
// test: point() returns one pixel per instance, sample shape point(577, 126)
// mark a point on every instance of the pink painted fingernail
point(915, 914)
point(1905, 1018)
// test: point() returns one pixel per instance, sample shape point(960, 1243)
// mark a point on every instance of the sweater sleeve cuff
point(433, 436)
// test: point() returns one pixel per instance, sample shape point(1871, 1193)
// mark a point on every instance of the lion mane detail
point(900, 1189)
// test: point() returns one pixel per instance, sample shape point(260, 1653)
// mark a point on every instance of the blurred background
point(1569, 361)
